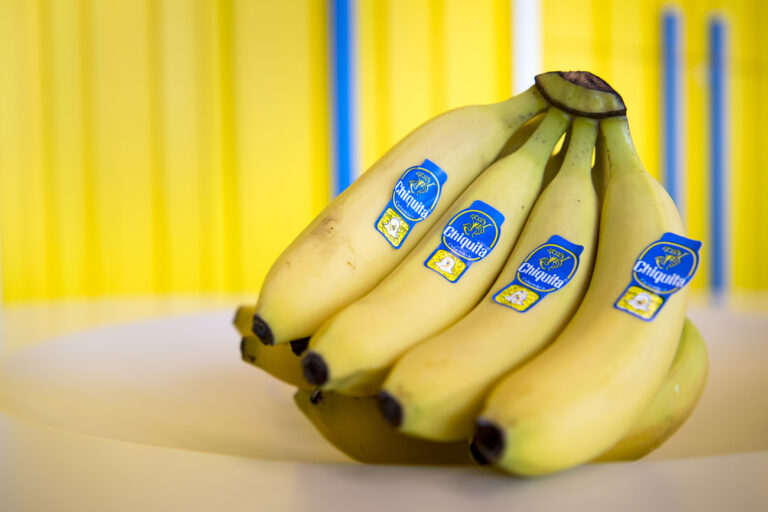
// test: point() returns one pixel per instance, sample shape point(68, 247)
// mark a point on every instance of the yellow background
point(176, 146)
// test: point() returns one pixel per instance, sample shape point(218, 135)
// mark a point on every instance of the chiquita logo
point(472, 233)
point(665, 267)
point(414, 198)
point(547, 268)
point(416, 193)
point(468, 237)
point(662, 268)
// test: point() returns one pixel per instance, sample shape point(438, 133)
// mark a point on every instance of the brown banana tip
point(391, 409)
point(299, 346)
point(488, 440)
point(262, 331)
point(476, 455)
point(315, 369)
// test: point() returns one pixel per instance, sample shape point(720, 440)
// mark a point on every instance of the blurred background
point(177, 146)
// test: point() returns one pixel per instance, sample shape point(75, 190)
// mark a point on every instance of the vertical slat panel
point(375, 99)
point(230, 178)
point(47, 141)
point(471, 44)
point(726, 115)
point(24, 156)
point(68, 219)
point(12, 255)
point(696, 121)
point(121, 144)
point(504, 18)
point(740, 243)
point(760, 180)
point(211, 196)
point(276, 123)
point(568, 35)
point(411, 82)
point(180, 134)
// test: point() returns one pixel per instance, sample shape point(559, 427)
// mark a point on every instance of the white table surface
point(144, 405)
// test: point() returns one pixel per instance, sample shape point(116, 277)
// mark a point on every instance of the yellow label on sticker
point(446, 264)
point(517, 297)
point(640, 302)
point(393, 227)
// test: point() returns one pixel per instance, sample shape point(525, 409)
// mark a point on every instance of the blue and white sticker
point(414, 198)
point(663, 268)
point(468, 237)
point(547, 268)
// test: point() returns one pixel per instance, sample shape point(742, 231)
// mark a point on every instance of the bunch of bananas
point(475, 296)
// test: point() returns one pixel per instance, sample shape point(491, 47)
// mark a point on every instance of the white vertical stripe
point(526, 43)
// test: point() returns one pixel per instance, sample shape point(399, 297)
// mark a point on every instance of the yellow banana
point(354, 426)
point(583, 393)
point(280, 361)
point(360, 237)
point(673, 404)
point(436, 389)
point(443, 277)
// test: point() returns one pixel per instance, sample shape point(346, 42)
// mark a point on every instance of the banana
point(354, 426)
point(673, 404)
point(360, 237)
point(281, 362)
point(583, 393)
point(436, 389)
point(441, 279)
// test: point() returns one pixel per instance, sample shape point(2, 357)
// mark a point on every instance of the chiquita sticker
point(547, 269)
point(468, 237)
point(414, 198)
point(662, 268)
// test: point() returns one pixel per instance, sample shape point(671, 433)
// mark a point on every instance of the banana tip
point(391, 409)
point(244, 355)
point(488, 441)
point(315, 369)
point(299, 346)
point(476, 455)
point(262, 331)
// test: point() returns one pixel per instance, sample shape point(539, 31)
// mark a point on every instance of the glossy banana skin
point(373, 441)
point(440, 384)
point(359, 344)
point(355, 427)
point(280, 361)
point(340, 256)
point(582, 394)
point(674, 401)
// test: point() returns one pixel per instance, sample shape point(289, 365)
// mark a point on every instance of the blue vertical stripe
point(717, 152)
point(342, 92)
point(671, 102)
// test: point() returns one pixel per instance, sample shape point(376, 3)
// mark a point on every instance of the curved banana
point(583, 393)
point(281, 362)
point(354, 426)
point(442, 278)
point(360, 237)
point(436, 389)
point(673, 404)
